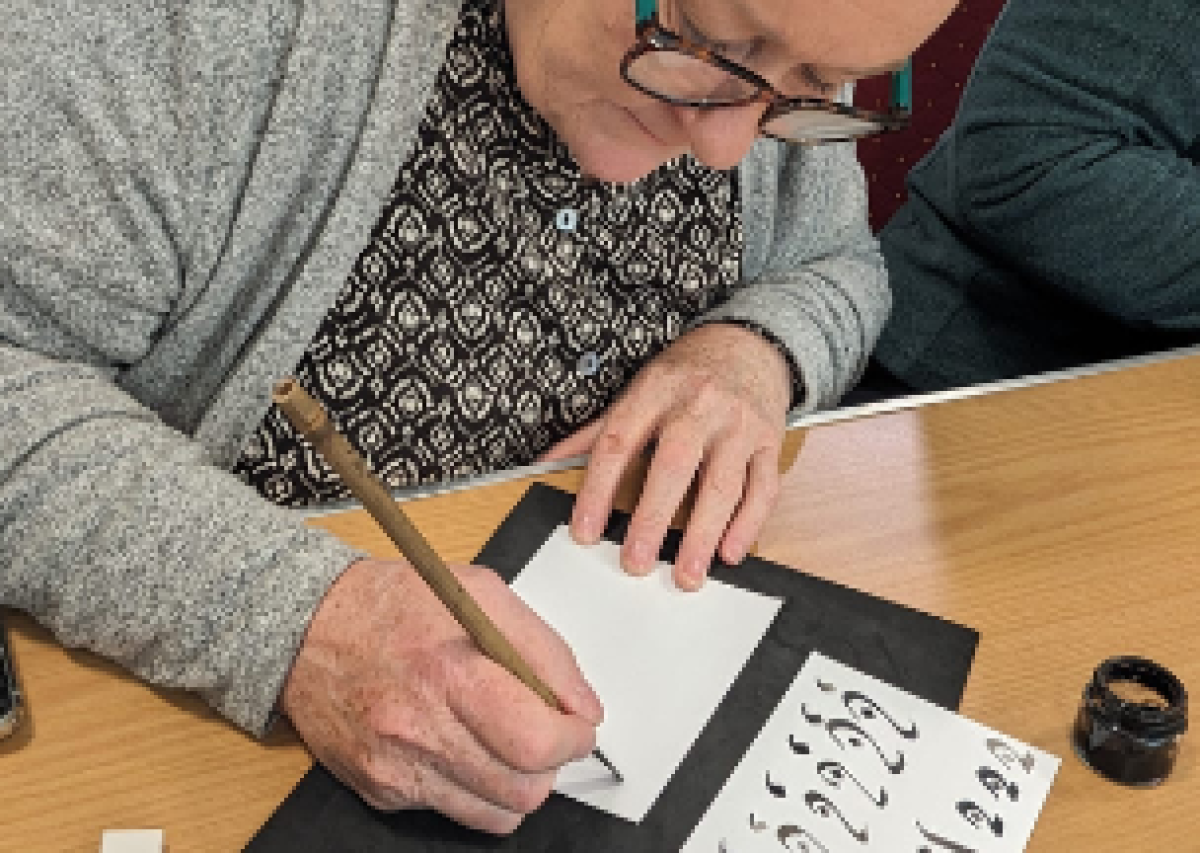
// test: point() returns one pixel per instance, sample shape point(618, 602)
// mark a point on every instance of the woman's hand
point(394, 698)
point(714, 405)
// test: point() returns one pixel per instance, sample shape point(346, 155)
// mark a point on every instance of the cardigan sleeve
point(813, 277)
point(116, 530)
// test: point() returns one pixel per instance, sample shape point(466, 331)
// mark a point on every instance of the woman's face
point(568, 56)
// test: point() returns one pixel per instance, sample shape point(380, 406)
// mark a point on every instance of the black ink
point(823, 806)
point(798, 747)
point(789, 831)
point(1007, 756)
point(776, 790)
point(995, 783)
point(944, 843)
point(757, 826)
point(826, 686)
point(813, 719)
point(978, 818)
point(871, 708)
point(835, 726)
point(834, 774)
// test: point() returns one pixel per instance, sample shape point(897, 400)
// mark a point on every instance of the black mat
point(914, 651)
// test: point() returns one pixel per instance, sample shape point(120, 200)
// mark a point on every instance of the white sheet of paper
point(659, 658)
point(952, 793)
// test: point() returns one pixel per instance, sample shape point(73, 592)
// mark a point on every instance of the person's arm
point(116, 531)
point(715, 402)
point(1075, 155)
point(815, 279)
point(121, 538)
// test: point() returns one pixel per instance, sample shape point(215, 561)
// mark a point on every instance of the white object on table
point(849, 763)
point(660, 659)
point(131, 841)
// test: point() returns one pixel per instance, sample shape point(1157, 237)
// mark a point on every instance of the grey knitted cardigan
point(184, 187)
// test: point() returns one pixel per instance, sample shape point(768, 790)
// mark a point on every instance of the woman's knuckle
point(386, 783)
point(529, 793)
point(613, 441)
point(537, 750)
point(709, 392)
point(505, 823)
point(724, 485)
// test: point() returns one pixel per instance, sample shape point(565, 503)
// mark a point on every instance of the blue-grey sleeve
point(1076, 154)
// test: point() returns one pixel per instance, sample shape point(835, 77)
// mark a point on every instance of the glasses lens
point(819, 125)
point(684, 78)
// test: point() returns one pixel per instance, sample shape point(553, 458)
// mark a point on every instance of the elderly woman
point(481, 233)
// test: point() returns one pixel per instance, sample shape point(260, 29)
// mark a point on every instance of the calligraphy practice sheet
point(849, 763)
point(659, 658)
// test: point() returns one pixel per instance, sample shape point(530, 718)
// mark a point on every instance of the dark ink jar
point(1131, 742)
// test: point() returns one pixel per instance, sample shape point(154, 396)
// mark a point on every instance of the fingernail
point(638, 558)
point(584, 529)
point(692, 576)
point(589, 705)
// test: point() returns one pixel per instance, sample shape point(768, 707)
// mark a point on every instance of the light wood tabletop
point(1061, 521)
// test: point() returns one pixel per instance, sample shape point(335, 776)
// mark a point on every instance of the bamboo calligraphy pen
point(309, 417)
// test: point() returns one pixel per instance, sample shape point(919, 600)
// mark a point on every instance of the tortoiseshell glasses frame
point(661, 62)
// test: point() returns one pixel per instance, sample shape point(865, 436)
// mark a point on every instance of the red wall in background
point(940, 70)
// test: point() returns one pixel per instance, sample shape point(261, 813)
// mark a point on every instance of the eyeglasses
point(679, 71)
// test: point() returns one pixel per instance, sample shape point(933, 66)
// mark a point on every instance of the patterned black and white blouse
point(504, 299)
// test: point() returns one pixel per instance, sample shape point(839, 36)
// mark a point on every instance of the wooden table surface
point(1061, 521)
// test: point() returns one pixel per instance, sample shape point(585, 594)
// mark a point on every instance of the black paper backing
point(922, 654)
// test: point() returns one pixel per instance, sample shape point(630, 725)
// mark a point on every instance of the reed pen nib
point(603, 759)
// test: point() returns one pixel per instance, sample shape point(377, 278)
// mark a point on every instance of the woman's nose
point(720, 137)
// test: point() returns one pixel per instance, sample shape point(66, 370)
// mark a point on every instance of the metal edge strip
point(896, 404)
